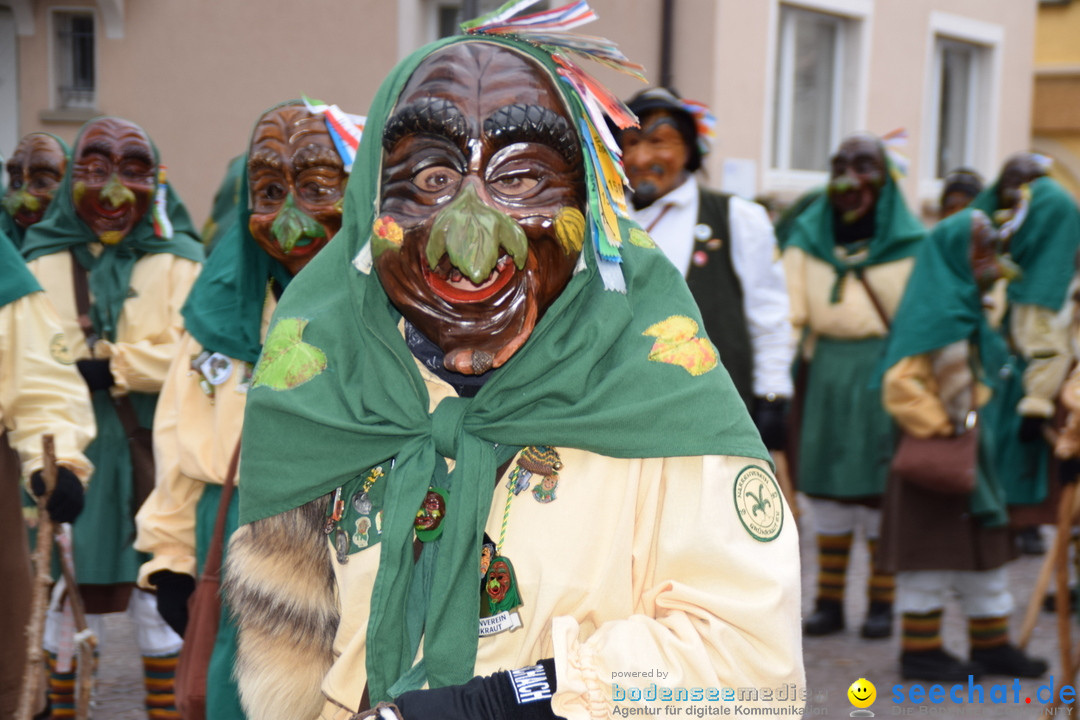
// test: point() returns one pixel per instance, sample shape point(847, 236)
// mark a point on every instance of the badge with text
point(502, 598)
point(758, 503)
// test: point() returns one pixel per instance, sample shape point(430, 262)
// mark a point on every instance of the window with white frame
point(813, 98)
point(958, 68)
point(74, 70)
point(444, 16)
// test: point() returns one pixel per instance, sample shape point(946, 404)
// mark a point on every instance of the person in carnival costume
point(117, 240)
point(41, 393)
point(486, 318)
point(34, 172)
point(941, 351)
point(723, 243)
point(847, 259)
point(958, 189)
point(1036, 311)
point(294, 182)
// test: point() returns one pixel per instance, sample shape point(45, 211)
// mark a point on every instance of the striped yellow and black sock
point(61, 689)
point(988, 632)
point(920, 631)
point(159, 676)
point(881, 588)
point(833, 554)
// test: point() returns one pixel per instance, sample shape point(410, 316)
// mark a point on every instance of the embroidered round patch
point(59, 350)
point(757, 500)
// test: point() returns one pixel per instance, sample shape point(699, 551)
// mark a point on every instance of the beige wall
point(196, 73)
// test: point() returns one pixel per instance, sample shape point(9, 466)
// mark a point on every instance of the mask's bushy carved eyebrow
point(431, 115)
point(532, 123)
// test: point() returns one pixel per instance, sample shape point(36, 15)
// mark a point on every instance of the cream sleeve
point(150, 326)
point(41, 391)
point(715, 606)
point(910, 395)
point(1041, 335)
point(794, 261)
point(165, 524)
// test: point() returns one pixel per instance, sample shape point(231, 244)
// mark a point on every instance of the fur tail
point(280, 587)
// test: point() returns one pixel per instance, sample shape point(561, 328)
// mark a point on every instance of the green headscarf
point(110, 273)
point(1044, 246)
point(227, 199)
point(16, 279)
point(898, 231)
point(942, 305)
point(8, 226)
point(357, 399)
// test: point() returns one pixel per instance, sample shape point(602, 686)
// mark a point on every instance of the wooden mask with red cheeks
point(857, 176)
point(655, 157)
point(113, 177)
point(481, 167)
point(34, 172)
point(296, 181)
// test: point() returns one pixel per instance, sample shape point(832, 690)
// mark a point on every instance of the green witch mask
point(480, 158)
point(34, 172)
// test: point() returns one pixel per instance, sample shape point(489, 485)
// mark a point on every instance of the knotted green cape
point(898, 231)
point(8, 226)
point(1044, 246)
point(109, 273)
point(942, 305)
point(583, 380)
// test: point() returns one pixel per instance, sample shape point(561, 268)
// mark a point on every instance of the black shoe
point(1009, 660)
point(1030, 541)
point(1050, 601)
point(827, 618)
point(879, 621)
point(938, 665)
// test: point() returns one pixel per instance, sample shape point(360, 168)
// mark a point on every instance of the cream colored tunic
point(194, 440)
point(637, 566)
point(147, 333)
point(810, 283)
point(41, 391)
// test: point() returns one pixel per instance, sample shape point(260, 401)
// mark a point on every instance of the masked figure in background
point(34, 172)
point(941, 351)
point(1040, 227)
point(117, 255)
point(724, 245)
point(465, 332)
point(958, 189)
point(41, 393)
point(294, 183)
point(847, 260)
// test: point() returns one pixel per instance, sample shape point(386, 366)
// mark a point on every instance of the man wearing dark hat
point(723, 243)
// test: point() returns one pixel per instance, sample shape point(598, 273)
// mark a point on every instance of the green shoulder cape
point(337, 391)
point(16, 280)
point(898, 230)
point(1044, 246)
point(110, 273)
point(942, 305)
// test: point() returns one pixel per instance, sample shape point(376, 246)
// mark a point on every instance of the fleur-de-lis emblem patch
point(758, 503)
point(677, 344)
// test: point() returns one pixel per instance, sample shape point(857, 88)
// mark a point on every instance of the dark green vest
point(719, 294)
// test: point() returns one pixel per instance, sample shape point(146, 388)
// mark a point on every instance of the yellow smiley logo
point(862, 693)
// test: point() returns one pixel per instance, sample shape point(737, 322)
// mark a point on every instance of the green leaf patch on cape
point(287, 361)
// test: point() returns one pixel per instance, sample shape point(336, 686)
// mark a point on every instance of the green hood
point(337, 392)
point(8, 226)
point(898, 230)
point(110, 273)
point(1044, 246)
point(227, 199)
point(942, 305)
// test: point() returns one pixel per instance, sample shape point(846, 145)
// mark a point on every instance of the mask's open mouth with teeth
point(451, 285)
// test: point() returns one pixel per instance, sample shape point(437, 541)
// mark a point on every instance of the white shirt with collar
point(671, 220)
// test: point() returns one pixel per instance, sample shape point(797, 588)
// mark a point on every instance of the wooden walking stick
point(35, 653)
point(85, 638)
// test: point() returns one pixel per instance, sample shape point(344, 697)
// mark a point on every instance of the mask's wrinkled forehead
point(482, 91)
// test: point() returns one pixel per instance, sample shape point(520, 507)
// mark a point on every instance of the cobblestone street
point(832, 663)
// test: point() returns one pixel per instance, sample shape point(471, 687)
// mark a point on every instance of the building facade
point(1055, 119)
point(787, 79)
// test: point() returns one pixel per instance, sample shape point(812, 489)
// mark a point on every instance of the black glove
point(523, 694)
point(96, 373)
point(770, 416)
point(173, 591)
point(67, 499)
point(1068, 470)
point(1031, 428)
